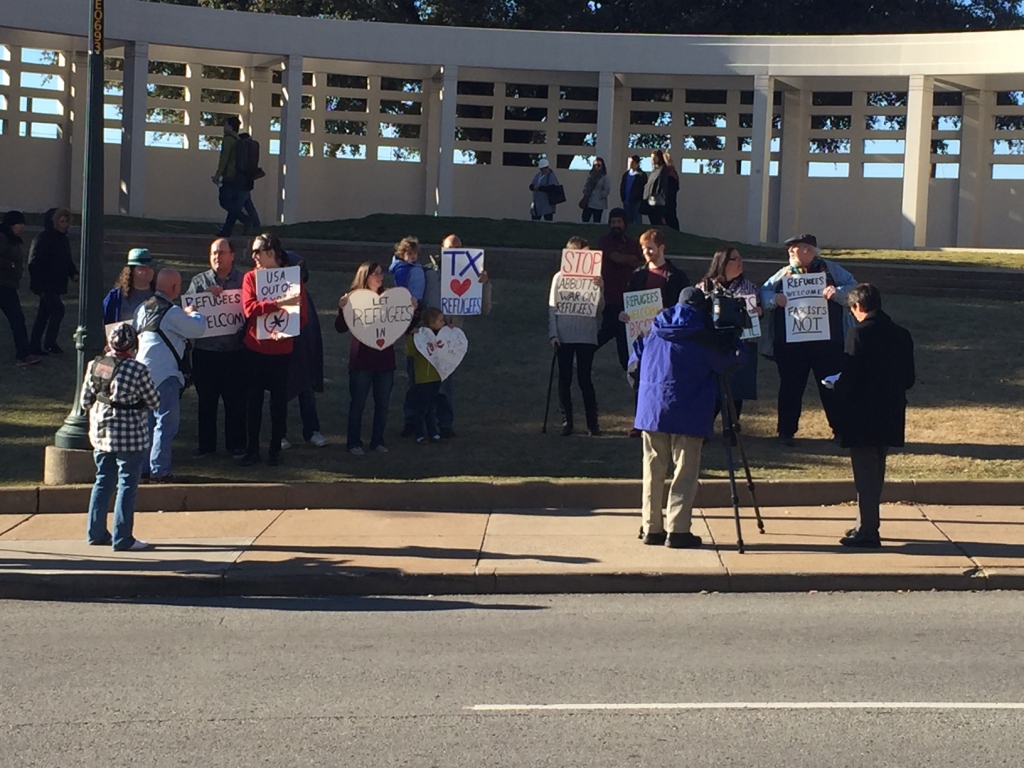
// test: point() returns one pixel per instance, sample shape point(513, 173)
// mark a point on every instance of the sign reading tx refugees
point(223, 313)
point(642, 307)
point(581, 263)
point(806, 309)
point(462, 293)
point(378, 320)
point(576, 296)
point(274, 284)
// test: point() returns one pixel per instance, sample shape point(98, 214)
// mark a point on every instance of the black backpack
point(104, 369)
point(156, 308)
point(247, 157)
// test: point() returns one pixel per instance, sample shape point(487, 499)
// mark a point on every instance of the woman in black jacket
point(50, 267)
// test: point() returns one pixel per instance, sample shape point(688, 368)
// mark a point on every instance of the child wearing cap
point(135, 284)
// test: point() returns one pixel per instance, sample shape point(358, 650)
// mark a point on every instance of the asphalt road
point(394, 682)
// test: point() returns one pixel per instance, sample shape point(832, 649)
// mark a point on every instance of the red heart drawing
point(460, 287)
point(380, 343)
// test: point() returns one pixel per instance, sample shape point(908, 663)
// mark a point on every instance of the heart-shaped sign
point(459, 287)
point(378, 320)
point(443, 350)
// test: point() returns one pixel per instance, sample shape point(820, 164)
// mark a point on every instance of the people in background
point(12, 266)
point(542, 207)
point(50, 268)
point(595, 192)
point(621, 257)
point(655, 190)
point(631, 190)
point(134, 285)
point(671, 193)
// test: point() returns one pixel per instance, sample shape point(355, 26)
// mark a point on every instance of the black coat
point(636, 192)
point(677, 280)
point(878, 369)
point(50, 266)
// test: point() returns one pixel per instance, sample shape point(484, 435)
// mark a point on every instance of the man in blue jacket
point(677, 365)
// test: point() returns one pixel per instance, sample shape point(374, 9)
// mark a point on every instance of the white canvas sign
point(576, 296)
point(642, 307)
point(581, 263)
point(443, 350)
point(223, 314)
point(378, 320)
point(462, 293)
point(754, 331)
point(273, 284)
point(806, 309)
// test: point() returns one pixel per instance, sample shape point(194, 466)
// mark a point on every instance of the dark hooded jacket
point(679, 363)
point(12, 259)
point(50, 266)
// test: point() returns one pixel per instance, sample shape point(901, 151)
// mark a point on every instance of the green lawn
point(965, 419)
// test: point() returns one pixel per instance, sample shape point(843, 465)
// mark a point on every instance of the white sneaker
point(285, 445)
point(381, 449)
point(318, 440)
point(357, 451)
point(138, 546)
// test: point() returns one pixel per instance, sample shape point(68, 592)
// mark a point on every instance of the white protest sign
point(581, 263)
point(576, 296)
point(642, 307)
point(754, 331)
point(443, 350)
point(806, 308)
point(378, 320)
point(273, 284)
point(223, 313)
point(462, 293)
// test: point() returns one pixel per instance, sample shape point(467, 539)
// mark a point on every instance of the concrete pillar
point(974, 172)
point(760, 157)
point(256, 121)
point(607, 146)
point(132, 183)
point(432, 125)
point(79, 86)
point(446, 145)
point(796, 123)
point(917, 160)
point(291, 126)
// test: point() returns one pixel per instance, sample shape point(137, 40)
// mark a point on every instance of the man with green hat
point(134, 285)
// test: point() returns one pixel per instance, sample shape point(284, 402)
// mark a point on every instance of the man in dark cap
point(795, 356)
point(12, 266)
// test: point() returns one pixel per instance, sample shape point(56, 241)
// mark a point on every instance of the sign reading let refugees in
point(462, 293)
point(223, 313)
point(273, 284)
point(806, 308)
point(642, 307)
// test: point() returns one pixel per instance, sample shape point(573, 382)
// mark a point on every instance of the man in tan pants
point(677, 366)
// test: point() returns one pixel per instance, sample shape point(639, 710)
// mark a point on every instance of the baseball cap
point(139, 257)
point(543, 163)
point(810, 240)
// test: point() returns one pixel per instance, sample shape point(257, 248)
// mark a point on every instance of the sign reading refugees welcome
point(806, 308)
point(223, 314)
point(642, 307)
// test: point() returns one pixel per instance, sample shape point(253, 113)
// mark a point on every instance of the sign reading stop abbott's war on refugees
point(272, 284)
point(581, 263)
point(642, 307)
point(462, 293)
point(223, 313)
point(806, 309)
point(576, 296)
point(754, 331)
point(378, 320)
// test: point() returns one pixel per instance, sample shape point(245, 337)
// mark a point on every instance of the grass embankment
point(965, 419)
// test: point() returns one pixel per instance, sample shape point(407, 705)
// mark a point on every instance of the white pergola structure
point(880, 141)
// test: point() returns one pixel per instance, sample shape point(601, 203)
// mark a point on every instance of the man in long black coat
point(878, 369)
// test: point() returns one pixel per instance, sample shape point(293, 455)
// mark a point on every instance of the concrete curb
point(489, 496)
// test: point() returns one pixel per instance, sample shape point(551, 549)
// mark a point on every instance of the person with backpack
point(118, 391)
point(237, 170)
point(164, 332)
point(50, 267)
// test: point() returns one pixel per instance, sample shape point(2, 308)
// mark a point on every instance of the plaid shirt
point(121, 430)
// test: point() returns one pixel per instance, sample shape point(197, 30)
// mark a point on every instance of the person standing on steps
point(542, 207)
point(12, 266)
point(595, 192)
point(50, 268)
point(655, 190)
point(671, 193)
point(631, 190)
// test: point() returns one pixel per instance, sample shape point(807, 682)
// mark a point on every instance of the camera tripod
point(730, 433)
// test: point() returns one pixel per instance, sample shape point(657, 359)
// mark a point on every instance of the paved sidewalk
point(320, 552)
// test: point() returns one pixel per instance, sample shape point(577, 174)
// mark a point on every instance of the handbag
point(555, 193)
point(584, 202)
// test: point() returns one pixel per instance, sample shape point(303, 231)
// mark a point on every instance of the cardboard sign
point(642, 307)
point(806, 309)
point(576, 296)
point(443, 350)
point(581, 263)
point(754, 331)
point(223, 314)
point(378, 320)
point(462, 293)
point(272, 284)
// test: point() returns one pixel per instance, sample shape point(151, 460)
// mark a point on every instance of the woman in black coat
point(50, 267)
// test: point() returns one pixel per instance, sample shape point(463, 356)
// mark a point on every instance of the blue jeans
point(633, 213)
point(232, 197)
point(164, 423)
point(118, 471)
point(10, 305)
point(360, 383)
point(446, 403)
point(307, 413)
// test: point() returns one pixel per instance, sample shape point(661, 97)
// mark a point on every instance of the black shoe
point(653, 539)
point(167, 479)
point(594, 430)
point(682, 541)
point(237, 453)
point(407, 431)
point(566, 429)
point(104, 542)
point(852, 532)
point(53, 349)
point(861, 541)
point(787, 441)
point(274, 460)
point(447, 433)
point(38, 352)
point(249, 459)
point(201, 454)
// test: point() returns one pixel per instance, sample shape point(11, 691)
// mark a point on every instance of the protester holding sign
point(806, 336)
point(268, 349)
point(726, 273)
point(370, 368)
point(621, 258)
point(574, 304)
point(219, 355)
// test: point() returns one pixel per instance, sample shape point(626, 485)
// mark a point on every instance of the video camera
point(729, 313)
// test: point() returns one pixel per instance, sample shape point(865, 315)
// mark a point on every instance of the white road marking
point(701, 705)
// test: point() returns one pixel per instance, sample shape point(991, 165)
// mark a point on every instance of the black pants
point(267, 373)
point(10, 305)
point(216, 376)
point(424, 404)
point(868, 477)
point(613, 328)
point(795, 362)
point(592, 214)
point(46, 328)
point(584, 354)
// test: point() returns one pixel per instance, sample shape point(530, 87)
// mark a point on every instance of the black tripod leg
point(551, 380)
point(733, 418)
point(727, 434)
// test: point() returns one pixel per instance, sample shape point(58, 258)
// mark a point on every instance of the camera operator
point(676, 367)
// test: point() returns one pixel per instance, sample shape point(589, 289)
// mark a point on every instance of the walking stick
point(551, 380)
